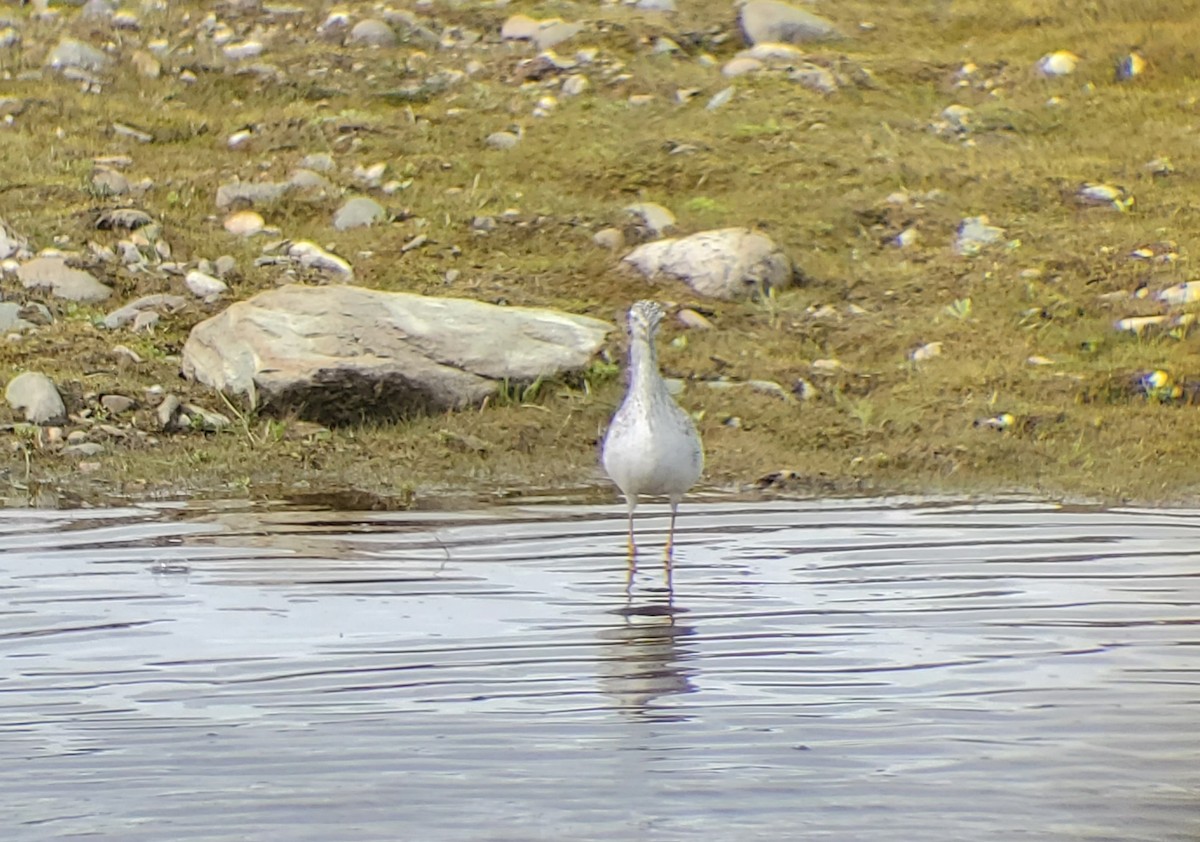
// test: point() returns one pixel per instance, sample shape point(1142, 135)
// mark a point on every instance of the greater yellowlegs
point(652, 446)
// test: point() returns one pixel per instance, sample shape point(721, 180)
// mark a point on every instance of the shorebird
point(651, 446)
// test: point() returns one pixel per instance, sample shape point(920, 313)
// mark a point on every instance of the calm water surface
point(843, 670)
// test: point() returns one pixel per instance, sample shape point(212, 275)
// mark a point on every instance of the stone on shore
point(342, 354)
point(729, 263)
point(771, 20)
point(63, 281)
point(36, 396)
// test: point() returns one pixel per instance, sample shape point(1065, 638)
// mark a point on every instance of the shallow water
point(845, 670)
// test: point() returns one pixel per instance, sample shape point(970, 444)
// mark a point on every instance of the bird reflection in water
point(647, 653)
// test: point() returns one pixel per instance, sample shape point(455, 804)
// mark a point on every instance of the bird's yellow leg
point(670, 549)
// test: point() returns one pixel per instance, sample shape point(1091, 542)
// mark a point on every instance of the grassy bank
point(1026, 327)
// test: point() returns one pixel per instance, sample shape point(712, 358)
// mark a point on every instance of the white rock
point(243, 50)
point(372, 33)
point(244, 223)
point(301, 349)
point(740, 66)
point(771, 20)
point(204, 286)
point(311, 256)
point(974, 233)
point(36, 396)
point(653, 216)
point(1060, 63)
point(53, 273)
point(727, 263)
point(720, 98)
point(575, 84)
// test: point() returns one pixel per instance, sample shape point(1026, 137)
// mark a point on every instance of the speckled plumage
point(652, 446)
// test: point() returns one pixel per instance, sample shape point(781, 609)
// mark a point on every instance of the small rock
point(926, 352)
point(129, 313)
point(84, 449)
point(519, 28)
point(1104, 195)
point(224, 266)
point(243, 50)
point(10, 318)
point(62, 280)
point(145, 321)
point(106, 182)
point(36, 396)
point(728, 263)
point(575, 84)
point(771, 20)
point(319, 161)
point(1186, 292)
point(117, 404)
point(1131, 66)
point(814, 77)
point(250, 193)
point(609, 238)
point(740, 66)
point(502, 140)
point(73, 53)
point(720, 98)
point(974, 233)
point(372, 33)
point(244, 223)
point(167, 411)
point(693, 319)
point(311, 256)
point(205, 286)
point(127, 219)
point(653, 216)
point(1060, 63)
point(358, 212)
point(553, 32)
point(205, 419)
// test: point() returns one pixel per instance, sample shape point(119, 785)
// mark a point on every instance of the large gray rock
point(772, 21)
point(340, 354)
point(728, 263)
point(63, 281)
point(36, 396)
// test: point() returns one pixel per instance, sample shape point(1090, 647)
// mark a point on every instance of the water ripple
point(884, 670)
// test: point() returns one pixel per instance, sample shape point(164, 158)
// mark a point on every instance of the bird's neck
point(643, 361)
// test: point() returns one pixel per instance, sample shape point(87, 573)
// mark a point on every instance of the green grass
point(811, 171)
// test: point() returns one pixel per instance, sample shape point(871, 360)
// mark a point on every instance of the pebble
point(975, 233)
point(36, 397)
point(73, 53)
point(926, 352)
point(117, 404)
point(575, 84)
point(774, 21)
point(250, 193)
point(205, 286)
point(372, 33)
point(720, 98)
point(502, 140)
point(1059, 63)
point(244, 223)
point(609, 238)
point(740, 66)
point(653, 216)
point(358, 212)
point(693, 319)
point(311, 256)
point(243, 50)
point(63, 281)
